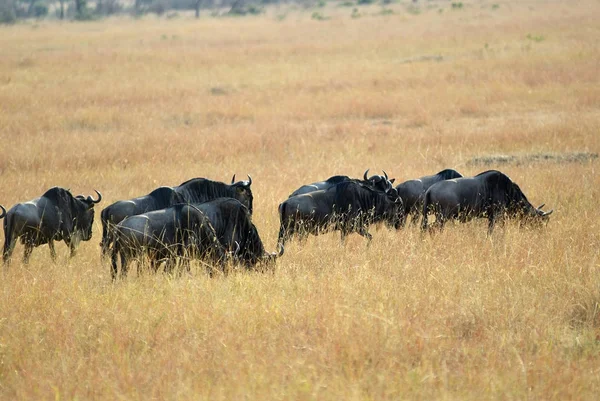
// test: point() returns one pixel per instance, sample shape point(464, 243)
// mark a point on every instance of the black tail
point(9, 240)
point(426, 203)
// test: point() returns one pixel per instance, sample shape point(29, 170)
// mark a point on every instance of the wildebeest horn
point(99, 197)
point(233, 179)
point(3, 211)
point(547, 213)
point(541, 206)
point(385, 174)
point(278, 254)
point(365, 175)
point(249, 180)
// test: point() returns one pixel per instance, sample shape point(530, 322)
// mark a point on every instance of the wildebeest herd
point(211, 221)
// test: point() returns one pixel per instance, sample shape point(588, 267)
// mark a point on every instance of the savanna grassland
point(124, 106)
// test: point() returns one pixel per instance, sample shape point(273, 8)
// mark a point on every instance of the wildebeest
point(236, 232)
point(56, 215)
point(380, 182)
point(191, 191)
point(490, 194)
point(412, 192)
point(163, 235)
point(348, 207)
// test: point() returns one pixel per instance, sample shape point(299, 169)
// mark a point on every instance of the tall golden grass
point(124, 106)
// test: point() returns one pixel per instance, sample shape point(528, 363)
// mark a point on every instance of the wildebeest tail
point(9, 238)
point(426, 203)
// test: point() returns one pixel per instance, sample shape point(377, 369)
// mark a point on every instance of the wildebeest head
point(519, 206)
point(84, 215)
point(243, 191)
point(396, 213)
point(380, 182)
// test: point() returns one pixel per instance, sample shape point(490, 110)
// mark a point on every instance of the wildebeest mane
point(198, 190)
point(449, 174)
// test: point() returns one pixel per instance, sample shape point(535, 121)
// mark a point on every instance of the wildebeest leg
point(113, 264)
point(491, 222)
point(27, 252)
point(73, 245)
point(124, 263)
point(365, 233)
point(414, 217)
point(9, 246)
point(52, 250)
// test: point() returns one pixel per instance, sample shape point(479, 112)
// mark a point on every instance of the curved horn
point(541, 206)
point(249, 180)
point(99, 197)
point(3, 211)
point(365, 175)
point(385, 174)
point(547, 213)
point(278, 254)
point(233, 179)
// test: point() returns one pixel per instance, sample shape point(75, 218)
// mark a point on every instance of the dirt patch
point(572, 157)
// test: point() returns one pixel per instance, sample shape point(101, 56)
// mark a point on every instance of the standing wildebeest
point(412, 192)
point(191, 191)
point(380, 182)
point(489, 194)
point(56, 215)
point(163, 235)
point(348, 207)
point(236, 232)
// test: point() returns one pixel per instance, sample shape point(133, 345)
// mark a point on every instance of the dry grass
point(124, 106)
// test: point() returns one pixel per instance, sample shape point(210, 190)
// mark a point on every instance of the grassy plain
point(124, 106)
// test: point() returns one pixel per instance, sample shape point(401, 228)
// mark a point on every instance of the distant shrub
point(355, 13)
point(363, 2)
point(7, 12)
point(414, 10)
point(457, 6)
point(318, 16)
point(535, 38)
point(158, 7)
point(386, 11)
point(321, 3)
point(346, 4)
point(495, 6)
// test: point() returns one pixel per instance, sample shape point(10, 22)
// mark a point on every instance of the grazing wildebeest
point(412, 192)
point(348, 207)
point(489, 194)
point(163, 235)
point(236, 232)
point(191, 191)
point(56, 215)
point(380, 182)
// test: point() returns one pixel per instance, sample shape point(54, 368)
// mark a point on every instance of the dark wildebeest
point(489, 194)
point(412, 192)
point(236, 232)
point(56, 215)
point(348, 207)
point(380, 182)
point(191, 191)
point(163, 235)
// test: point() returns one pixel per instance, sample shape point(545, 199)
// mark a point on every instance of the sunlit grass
point(125, 106)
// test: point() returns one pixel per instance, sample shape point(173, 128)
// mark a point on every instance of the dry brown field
point(124, 106)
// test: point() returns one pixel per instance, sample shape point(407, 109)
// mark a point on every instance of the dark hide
point(163, 235)
point(55, 216)
point(348, 207)
point(236, 232)
point(490, 195)
point(412, 192)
